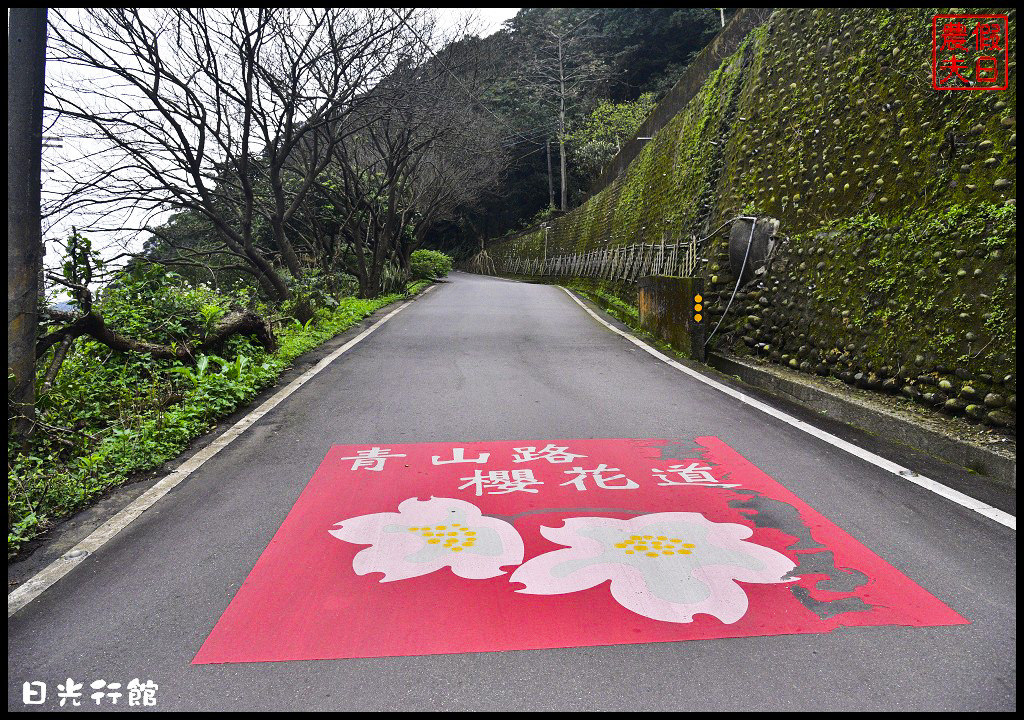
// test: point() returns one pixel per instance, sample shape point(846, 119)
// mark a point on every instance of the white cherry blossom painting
point(427, 535)
point(665, 566)
point(397, 549)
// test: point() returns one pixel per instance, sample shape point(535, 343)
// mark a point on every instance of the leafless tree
point(562, 64)
point(425, 147)
point(231, 114)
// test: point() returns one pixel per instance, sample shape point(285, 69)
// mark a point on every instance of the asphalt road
point(487, 359)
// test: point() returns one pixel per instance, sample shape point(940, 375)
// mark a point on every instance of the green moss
point(895, 201)
point(902, 291)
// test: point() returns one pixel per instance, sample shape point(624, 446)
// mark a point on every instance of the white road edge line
point(38, 583)
point(1001, 517)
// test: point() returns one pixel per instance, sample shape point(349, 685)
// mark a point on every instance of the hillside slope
point(894, 268)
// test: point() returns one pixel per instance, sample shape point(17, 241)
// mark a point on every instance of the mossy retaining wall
point(895, 266)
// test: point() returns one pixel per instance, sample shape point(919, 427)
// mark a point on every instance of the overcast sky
point(490, 18)
point(485, 21)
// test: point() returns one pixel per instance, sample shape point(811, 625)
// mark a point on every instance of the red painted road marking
point(422, 549)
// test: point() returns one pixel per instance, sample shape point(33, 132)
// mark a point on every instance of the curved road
point(487, 359)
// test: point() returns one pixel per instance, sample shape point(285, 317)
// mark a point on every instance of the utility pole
point(561, 124)
point(26, 71)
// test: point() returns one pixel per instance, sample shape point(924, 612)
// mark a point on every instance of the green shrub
point(429, 264)
point(111, 415)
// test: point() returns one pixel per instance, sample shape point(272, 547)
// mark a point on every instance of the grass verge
point(46, 485)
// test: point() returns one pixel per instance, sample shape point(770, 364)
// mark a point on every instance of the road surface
point(482, 358)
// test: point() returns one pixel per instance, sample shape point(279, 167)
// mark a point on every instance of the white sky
point(490, 18)
point(484, 22)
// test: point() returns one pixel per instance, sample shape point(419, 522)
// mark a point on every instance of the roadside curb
point(770, 407)
point(998, 467)
point(78, 536)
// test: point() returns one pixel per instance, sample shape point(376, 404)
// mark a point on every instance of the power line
point(535, 137)
point(535, 150)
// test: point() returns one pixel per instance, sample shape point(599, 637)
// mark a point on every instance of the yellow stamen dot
point(635, 537)
point(441, 527)
point(435, 541)
point(669, 552)
point(647, 537)
point(676, 540)
point(456, 549)
point(641, 547)
point(652, 554)
point(470, 532)
point(630, 552)
point(689, 545)
point(662, 537)
point(428, 534)
point(621, 545)
point(453, 534)
point(684, 552)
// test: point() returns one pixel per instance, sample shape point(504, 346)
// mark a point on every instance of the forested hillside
point(616, 63)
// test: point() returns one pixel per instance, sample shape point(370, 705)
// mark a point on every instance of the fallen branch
point(55, 429)
point(237, 322)
point(58, 360)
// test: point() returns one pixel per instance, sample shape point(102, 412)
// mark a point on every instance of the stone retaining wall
point(894, 264)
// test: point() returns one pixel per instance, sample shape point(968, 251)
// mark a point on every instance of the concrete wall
point(671, 308)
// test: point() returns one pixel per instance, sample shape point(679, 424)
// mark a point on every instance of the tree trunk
point(237, 322)
point(269, 278)
point(551, 182)
point(26, 69)
point(369, 284)
point(291, 260)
